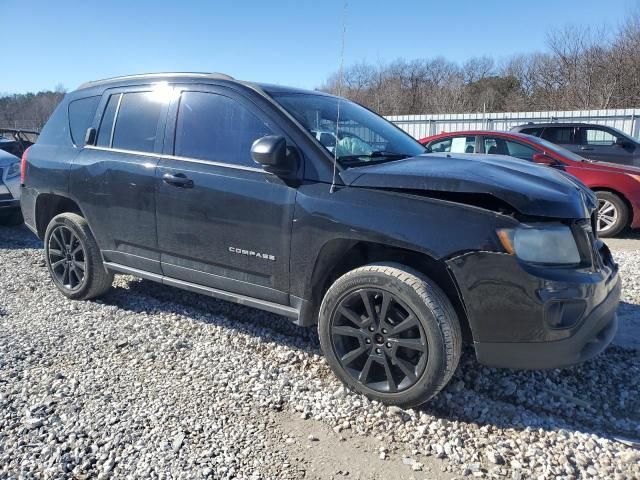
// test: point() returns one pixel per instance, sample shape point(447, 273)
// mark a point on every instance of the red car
point(616, 186)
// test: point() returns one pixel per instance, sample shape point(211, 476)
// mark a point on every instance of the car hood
point(529, 188)
point(7, 159)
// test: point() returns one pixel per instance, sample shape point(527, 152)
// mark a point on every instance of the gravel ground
point(153, 381)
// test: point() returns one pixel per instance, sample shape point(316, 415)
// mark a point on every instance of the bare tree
point(583, 68)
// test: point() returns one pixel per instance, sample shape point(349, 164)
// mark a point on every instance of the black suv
point(225, 188)
point(597, 142)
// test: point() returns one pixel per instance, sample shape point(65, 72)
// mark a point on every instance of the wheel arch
point(48, 205)
point(339, 256)
point(622, 196)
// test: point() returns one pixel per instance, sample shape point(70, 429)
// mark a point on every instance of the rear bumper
point(535, 317)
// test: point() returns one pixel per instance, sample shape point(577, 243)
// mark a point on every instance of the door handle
point(177, 180)
point(586, 148)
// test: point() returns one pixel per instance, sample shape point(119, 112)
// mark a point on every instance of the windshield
point(558, 149)
point(361, 137)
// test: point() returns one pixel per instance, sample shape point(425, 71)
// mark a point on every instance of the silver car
point(9, 189)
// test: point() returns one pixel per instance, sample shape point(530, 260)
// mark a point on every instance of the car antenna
point(340, 78)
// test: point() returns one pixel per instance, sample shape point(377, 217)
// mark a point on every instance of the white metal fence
point(420, 126)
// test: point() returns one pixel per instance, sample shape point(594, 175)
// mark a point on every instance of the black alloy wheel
point(378, 340)
point(67, 258)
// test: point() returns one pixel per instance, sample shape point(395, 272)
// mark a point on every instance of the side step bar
point(265, 305)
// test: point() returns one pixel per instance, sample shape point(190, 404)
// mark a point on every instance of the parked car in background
point(596, 142)
point(226, 188)
point(16, 140)
point(10, 213)
point(616, 186)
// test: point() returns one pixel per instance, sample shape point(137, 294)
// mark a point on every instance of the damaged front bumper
point(532, 317)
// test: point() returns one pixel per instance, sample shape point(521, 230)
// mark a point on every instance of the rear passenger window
point(137, 122)
point(217, 128)
point(81, 114)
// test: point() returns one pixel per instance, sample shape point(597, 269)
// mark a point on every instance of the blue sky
point(295, 43)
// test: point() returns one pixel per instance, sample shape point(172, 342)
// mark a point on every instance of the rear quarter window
point(56, 130)
point(81, 114)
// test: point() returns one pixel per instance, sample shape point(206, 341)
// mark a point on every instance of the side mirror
point(90, 136)
point(621, 141)
point(543, 159)
point(271, 152)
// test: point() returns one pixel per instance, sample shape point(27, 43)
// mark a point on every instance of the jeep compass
point(228, 188)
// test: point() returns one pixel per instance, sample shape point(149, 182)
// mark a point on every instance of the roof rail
point(159, 75)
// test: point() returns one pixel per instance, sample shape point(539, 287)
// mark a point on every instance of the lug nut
point(368, 340)
point(378, 350)
point(371, 329)
point(384, 330)
point(388, 344)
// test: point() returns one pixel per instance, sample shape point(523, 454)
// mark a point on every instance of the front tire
point(74, 259)
point(613, 214)
point(390, 333)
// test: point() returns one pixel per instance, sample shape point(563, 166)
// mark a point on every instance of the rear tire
point(74, 259)
point(402, 357)
point(613, 214)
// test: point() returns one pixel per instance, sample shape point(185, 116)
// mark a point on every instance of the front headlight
point(547, 244)
point(13, 170)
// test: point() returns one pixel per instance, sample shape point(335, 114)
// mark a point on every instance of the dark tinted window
point(137, 122)
point(106, 124)
point(215, 127)
point(561, 135)
point(81, 114)
point(532, 131)
point(56, 131)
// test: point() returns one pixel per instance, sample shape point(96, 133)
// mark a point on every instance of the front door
point(223, 221)
point(600, 144)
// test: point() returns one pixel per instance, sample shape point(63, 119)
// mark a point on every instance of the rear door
point(599, 143)
point(223, 222)
point(114, 181)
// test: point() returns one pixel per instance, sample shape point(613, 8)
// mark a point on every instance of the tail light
point(23, 166)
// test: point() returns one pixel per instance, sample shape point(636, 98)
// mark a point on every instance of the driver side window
point(597, 137)
point(500, 146)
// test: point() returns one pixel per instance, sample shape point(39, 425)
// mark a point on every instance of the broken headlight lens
point(545, 244)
